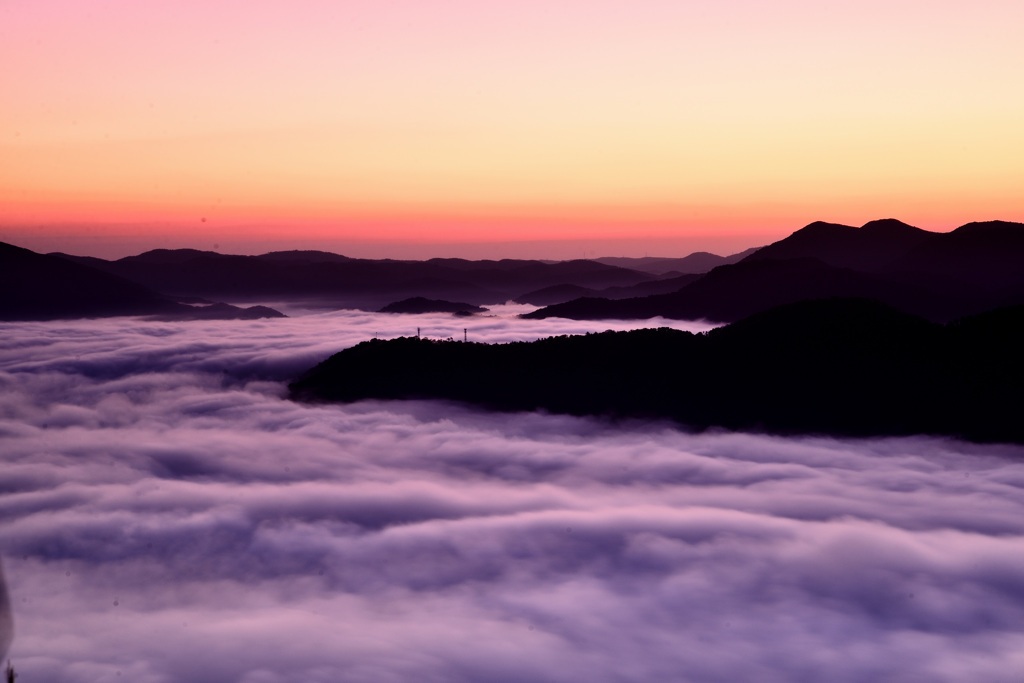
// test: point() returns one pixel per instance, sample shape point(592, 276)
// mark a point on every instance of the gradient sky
point(402, 127)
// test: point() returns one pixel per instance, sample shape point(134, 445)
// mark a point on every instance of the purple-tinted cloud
point(6, 620)
point(168, 516)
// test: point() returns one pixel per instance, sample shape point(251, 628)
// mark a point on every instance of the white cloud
point(243, 537)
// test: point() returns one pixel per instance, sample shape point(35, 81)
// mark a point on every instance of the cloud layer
point(169, 516)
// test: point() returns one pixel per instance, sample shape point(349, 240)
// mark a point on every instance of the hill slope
point(349, 282)
point(940, 276)
point(835, 366)
point(48, 287)
point(40, 287)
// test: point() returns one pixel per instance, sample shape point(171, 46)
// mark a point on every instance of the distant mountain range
point(554, 294)
point(834, 366)
point(940, 276)
point(161, 281)
point(40, 287)
point(697, 262)
point(336, 281)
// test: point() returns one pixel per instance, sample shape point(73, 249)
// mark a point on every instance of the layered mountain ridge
point(44, 287)
point(939, 276)
point(340, 282)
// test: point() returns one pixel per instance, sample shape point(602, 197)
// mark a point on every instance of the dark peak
point(168, 255)
point(822, 226)
point(989, 226)
point(807, 241)
point(176, 252)
point(816, 231)
point(419, 304)
point(888, 225)
point(307, 255)
point(453, 261)
point(222, 311)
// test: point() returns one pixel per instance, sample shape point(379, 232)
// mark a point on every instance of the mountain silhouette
point(419, 304)
point(47, 287)
point(556, 294)
point(940, 276)
point(868, 248)
point(222, 311)
point(729, 293)
point(989, 255)
point(837, 366)
point(697, 262)
point(40, 287)
point(304, 256)
point(340, 281)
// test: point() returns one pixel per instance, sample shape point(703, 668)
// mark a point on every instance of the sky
point(169, 516)
point(542, 128)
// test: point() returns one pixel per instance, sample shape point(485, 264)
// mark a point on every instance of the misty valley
point(504, 341)
point(798, 463)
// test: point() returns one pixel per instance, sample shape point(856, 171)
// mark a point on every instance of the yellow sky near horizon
point(456, 121)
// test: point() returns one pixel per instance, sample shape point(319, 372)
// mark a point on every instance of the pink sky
point(546, 129)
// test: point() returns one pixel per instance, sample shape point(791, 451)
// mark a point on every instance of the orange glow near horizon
point(697, 124)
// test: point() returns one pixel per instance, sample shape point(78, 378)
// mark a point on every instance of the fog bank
point(169, 516)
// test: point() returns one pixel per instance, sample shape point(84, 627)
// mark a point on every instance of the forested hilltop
point(834, 366)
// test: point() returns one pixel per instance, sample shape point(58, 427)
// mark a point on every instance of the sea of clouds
point(168, 515)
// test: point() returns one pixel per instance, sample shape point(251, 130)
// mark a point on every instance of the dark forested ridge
point(43, 287)
point(419, 304)
point(835, 366)
point(38, 287)
point(341, 282)
point(697, 262)
point(557, 294)
point(939, 276)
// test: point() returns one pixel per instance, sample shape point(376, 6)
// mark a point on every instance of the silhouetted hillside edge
point(42, 287)
point(939, 276)
point(419, 304)
point(836, 366)
point(339, 281)
point(695, 263)
point(557, 294)
point(39, 287)
point(222, 311)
